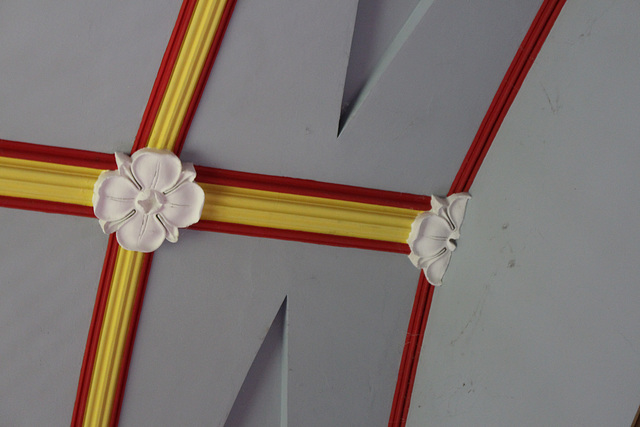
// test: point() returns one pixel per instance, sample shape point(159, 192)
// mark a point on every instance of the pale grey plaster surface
point(79, 74)
point(537, 323)
point(265, 386)
point(272, 104)
point(199, 331)
point(50, 270)
point(376, 26)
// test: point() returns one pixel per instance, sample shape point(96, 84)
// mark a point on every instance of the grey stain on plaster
point(555, 103)
point(475, 316)
point(462, 399)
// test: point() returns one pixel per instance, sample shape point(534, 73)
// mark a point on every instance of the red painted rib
point(411, 353)
point(301, 236)
point(64, 156)
point(141, 140)
point(94, 332)
point(157, 93)
point(164, 74)
point(46, 206)
point(520, 66)
point(204, 75)
point(307, 187)
point(131, 336)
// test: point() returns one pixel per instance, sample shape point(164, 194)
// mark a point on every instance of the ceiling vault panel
point(351, 108)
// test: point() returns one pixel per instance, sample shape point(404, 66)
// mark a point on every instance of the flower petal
point(457, 208)
point(184, 205)
point(143, 233)
point(437, 227)
point(109, 227)
point(435, 270)
point(124, 168)
point(113, 196)
point(122, 160)
point(172, 230)
point(188, 174)
point(156, 169)
point(438, 204)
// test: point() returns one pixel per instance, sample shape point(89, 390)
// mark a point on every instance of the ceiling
point(78, 75)
point(537, 324)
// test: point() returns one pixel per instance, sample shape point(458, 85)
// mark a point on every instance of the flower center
point(150, 201)
point(452, 241)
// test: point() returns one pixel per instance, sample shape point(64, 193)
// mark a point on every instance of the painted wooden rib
point(112, 340)
point(190, 62)
point(305, 213)
point(511, 83)
point(97, 318)
point(301, 208)
point(53, 182)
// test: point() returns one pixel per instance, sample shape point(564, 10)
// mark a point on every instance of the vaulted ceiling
point(374, 94)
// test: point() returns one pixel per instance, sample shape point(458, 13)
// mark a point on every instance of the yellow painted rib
point(305, 213)
point(74, 185)
point(126, 274)
point(189, 64)
point(47, 181)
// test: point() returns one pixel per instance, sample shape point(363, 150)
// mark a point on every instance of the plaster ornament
point(147, 199)
point(434, 234)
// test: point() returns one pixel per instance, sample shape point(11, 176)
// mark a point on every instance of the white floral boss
point(147, 199)
point(434, 235)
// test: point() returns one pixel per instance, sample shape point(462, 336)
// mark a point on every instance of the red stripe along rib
point(157, 93)
point(301, 236)
point(507, 91)
point(94, 332)
point(60, 155)
point(305, 187)
point(204, 76)
point(46, 206)
point(130, 339)
point(164, 74)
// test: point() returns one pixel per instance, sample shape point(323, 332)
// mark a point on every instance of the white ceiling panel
point(211, 300)
point(272, 104)
point(538, 322)
point(79, 74)
point(50, 270)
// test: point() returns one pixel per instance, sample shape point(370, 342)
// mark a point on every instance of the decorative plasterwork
point(304, 213)
point(147, 199)
point(62, 181)
point(434, 234)
point(126, 272)
point(199, 38)
point(52, 182)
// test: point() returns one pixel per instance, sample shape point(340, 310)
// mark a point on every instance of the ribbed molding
point(189, 64)
point(53, 182)
point(305, 213)
point(127, 273)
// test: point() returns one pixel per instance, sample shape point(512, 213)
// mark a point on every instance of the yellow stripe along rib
point(74, 185)
point(189, 64)
point(306, 213)
point(118, 310)
point(52, 182)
